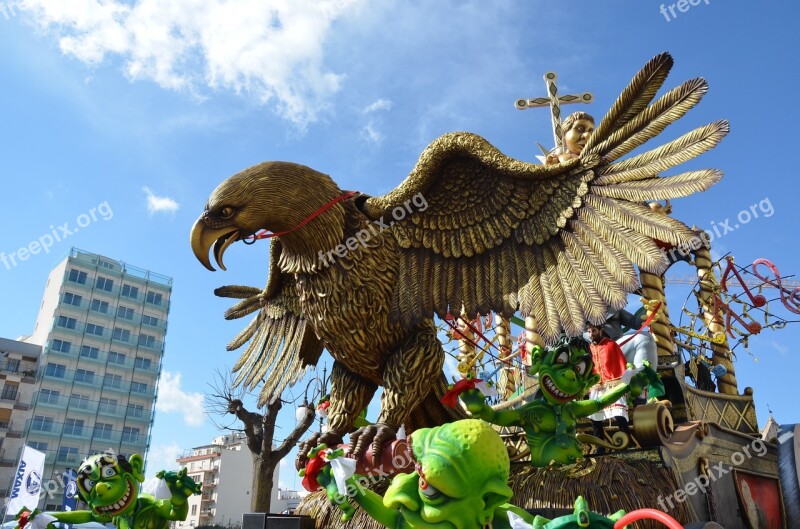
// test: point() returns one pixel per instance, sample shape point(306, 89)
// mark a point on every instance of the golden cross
point(554, 101)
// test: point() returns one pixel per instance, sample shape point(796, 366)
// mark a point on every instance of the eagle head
point(274, 196)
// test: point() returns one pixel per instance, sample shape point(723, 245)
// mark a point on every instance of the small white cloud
point(158, 204)
point(371, 134)
point(172, 398)
point(380, 104)
point(162, 457)
point(782, 349)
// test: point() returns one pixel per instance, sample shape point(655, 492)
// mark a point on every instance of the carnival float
point(503, 265)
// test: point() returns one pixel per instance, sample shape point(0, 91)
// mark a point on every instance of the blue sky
point(147, 105)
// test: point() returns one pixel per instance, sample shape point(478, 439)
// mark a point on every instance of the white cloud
point(271, 50)
point(157, 204)
point(380, 104)
point(162, 457)
point(782, 349)
point(172, 398)
point(371, 134)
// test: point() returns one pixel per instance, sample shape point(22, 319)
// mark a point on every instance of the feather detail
point(653, 120)
point(633, 99)
point(244, 307)
point(681, 150)
point(236, 291)
point(642, 219)
point(661, 188)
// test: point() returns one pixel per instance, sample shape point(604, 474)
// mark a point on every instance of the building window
point(150, 320)
point(49, 396)
point(112, 381)
point(103, 283)
point(125, 312)
point(135, 410)
point(154, 297)
point(89, 352)
point(194, 510)
point(130, 435)
point(72, 299)
point(85, 376)
point(55, 370)
point(77, 276)
point(61, 345)
point(147, 341)
point(40, 423)
point(73, 427)
point(105, 264)
point(38, 445)
point(108, 405)
point(142, 363)
point(99, 306)
point(97, 330)
point(116, 358)
point(9, 392)
point(102, 430)
point(11, 366)
point(67, 323)
point(138, 387)
point(67, 454)
point(79, 401)
point(130, 291)
point(123, 335)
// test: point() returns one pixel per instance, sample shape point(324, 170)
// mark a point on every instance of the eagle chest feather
point(348, 302)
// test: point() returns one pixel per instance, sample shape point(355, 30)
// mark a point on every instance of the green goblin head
point(566, 370)
point(109, 483)
point(460, 479)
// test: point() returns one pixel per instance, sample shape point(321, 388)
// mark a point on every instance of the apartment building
point(101, 327)
point(18, 363)
point(225, 469)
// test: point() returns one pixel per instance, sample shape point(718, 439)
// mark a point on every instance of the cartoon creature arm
point(181, 487)
point(584, 408)
point(476, 404)
point(368, 500)
point(36, 518)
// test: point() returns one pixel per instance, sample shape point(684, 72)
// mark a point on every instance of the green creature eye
point(109, 472)
point(581, 367)
point(562, 358)
point(88, 484)
point(428, 490)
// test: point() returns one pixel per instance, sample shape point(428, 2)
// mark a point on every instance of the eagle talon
point(373, 436)
point(328, 438)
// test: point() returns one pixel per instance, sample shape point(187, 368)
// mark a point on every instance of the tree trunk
point(261, 490)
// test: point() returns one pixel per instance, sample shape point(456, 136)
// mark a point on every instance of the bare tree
point(259, 429)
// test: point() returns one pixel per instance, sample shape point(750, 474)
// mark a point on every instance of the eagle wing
point(282, 343)
point(481, 231)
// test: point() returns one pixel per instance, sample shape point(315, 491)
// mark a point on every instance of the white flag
point(27, 481)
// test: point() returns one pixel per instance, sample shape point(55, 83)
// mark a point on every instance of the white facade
point(101, 327)
point(225, 468)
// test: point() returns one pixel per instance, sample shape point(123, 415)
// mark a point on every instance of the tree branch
point(299, 430)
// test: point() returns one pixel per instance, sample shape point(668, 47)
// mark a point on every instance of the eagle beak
point(203, 236)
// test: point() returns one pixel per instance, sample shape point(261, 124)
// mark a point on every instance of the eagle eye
point(226, 212)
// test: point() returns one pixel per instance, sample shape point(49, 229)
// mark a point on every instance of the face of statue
point(566, 372)
point(575, 138)
point(462, 470)
point(107, 487)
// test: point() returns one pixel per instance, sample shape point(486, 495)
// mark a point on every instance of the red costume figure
point(610, 364)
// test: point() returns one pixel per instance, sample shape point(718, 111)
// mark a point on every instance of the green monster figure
point(109, 484)
point(565, 374)
point(460, 482)
point(582, 517)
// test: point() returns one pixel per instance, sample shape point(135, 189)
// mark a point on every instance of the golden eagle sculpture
point(559, 243)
